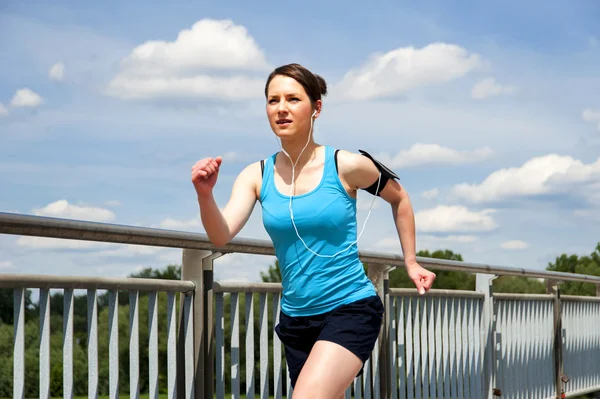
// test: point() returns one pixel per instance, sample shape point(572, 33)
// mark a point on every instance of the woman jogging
point(331, 314)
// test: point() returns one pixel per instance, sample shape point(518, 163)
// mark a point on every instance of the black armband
point(385, 174)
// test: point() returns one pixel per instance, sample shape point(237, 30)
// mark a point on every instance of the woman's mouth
point(283, 122)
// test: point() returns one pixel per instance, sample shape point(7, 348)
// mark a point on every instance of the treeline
point(445, 280)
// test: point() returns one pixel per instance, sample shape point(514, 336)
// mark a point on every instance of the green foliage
point(518, 285)
point(444, 279)
point(273, 275)
point(581, 265)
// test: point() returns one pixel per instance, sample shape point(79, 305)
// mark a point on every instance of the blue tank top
point(326, 221)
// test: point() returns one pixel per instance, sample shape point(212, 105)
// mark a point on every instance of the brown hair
point(313, 84)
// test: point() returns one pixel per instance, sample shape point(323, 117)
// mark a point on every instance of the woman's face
point(289, 108)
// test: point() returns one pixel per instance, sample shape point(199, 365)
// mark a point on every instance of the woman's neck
point(294, 150)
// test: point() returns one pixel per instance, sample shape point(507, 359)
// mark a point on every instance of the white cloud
point(462, 239)
point(429, 154)
point(57, 71)
point(406, 68)
point(431, 194)
point(364, 202)
point(214, 59)
point(130, 251)
point(26, 98)
point(444, 218)
point(540, 175)
point(63, 209)
point(5, 265)
point(488, 87)
point(58, 243)
point(592, 116)
point(514, 244)
point(3, 110)
point(173, 224)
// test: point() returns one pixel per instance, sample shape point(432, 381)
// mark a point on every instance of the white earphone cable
point(292, 194)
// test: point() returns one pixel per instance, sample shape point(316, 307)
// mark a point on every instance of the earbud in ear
point(314, 113)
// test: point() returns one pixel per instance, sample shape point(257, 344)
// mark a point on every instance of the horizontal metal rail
point(94, 283)
point(235, 287)
point(523, 297)
point(41, 226)
point(436, 293)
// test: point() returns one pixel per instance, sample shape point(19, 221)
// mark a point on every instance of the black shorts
point(354, 326)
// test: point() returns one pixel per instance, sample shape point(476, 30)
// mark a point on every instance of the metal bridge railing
point(446, 344)
point(114, 285)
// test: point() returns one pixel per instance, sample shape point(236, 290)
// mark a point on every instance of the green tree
point(273, 275)
point(444, 279)
point(589, 264)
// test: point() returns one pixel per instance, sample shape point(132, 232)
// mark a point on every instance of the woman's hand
point(421, 277)
point(204, 175)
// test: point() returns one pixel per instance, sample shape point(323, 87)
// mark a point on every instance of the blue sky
point(489, 113)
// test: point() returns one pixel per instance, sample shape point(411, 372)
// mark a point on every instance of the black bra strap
point(262, 167)
point(335, 157)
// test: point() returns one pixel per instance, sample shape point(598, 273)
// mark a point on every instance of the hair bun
point(322, 85)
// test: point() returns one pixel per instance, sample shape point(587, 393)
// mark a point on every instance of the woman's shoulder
point(349, 161)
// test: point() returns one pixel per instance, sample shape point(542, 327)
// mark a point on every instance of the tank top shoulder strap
point(266, 166)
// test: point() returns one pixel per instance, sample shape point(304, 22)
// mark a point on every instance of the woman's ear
point(318, 105)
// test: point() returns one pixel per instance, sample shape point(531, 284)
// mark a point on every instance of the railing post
point(380, 277)
point(209, 324)
point(192, 270)
point(553, 287)
point(483, 284)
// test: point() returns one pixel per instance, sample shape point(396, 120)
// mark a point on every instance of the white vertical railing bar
point(134, 345)
point(548, 346)
point(188, 325)
point(277, 370)
point(529, 349)
point(424, 317)
point(375, 371)
point(400, 331)
point(465, 347)
point(92, 346)
point(507, 389)
point(478, 357)
point(458, 303)
point(19, 343)
point(393, 347)
point(410, 360)
point(152, 345)
point(520, 341)
point(417, 347)
point(113, 347)
point(44, 305)
point(447, 360)
point(250, 377)
point(366, 379)
point(431, 381)
point(439, 376)
point(453, 350)
point(68, 344)
point(171, 347)
point(235, 345)
point(220, 350)
point(264, 347)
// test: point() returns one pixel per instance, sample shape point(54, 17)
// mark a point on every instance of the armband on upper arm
point(385, 173)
